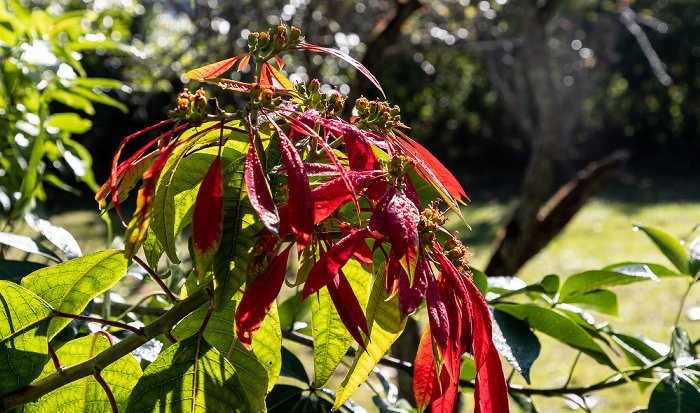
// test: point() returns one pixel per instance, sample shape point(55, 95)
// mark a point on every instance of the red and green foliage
point(274, 170)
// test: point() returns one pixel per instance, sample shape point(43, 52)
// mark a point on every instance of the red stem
point(105, 386)
point(54, 357)
point(157, 279)
point(117, 324)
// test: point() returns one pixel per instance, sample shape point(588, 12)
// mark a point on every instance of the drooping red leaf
point(312, 169)
point(207, 218)
point(258, 297)
point(446, 402)
point(357, 142)
point(264, 251)
point(437, 314)
point(424, 372)
point(301, 206)
point(443, 174)
point(212, 70)
point(337, 53)
point(332, 261)
point(259, 191)
point(402, 217)
point(411, 192)
point(345, 316)
point(363, 254)
point(491, 393)
point(411, 297)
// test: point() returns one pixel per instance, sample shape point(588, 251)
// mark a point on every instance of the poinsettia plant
point(286, 175)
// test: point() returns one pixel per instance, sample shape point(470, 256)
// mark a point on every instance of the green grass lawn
point(601, 234)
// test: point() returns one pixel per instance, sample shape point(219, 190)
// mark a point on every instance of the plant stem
point(35, 390)
point(680, 308)
point(117, 324)
point(105, 386)
point(571, 372)
point(54, 357)
point(157, 279)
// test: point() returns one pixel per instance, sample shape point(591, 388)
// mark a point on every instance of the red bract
point(258, 298)
point(207, 219)
point(348, 307)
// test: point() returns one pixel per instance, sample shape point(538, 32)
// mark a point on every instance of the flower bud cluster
point(258, 41)
point(457, 253)
point(262, 97)
point(397, 167)
point(191, 107)
point(376, 114)
point(327, 104)
point(430, 220)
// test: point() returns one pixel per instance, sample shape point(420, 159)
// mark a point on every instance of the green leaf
point(558, 326)
point(293, 309)
point(602, 301)
point(292, 367)
point(70, 122)
point(640, 350)
point(282, 397)
point(70, 286)
point(26, 244)
point(682, 347)
point(525, 403)
point(386, 324)
point(480, 280)
point(670, 246)
point(258, 370)
point(642, 269)
point(516, 342)
point(582, 283)
point(99, 98)
point(24, 321)
point(56, 235)
point(14, 271)
point(72, 100)
point(331, 337)
point(675, 393)
point(192, 377)
point(87, 395)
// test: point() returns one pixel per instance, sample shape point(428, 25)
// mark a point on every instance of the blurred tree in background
point(544, 87)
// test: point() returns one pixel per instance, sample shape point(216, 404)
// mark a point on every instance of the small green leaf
point(386, 325)
point(72, 100)
point(56, 235)
point(516, 342)
point(682, 347)
point(525, 403)
point(550, 283)
point(602, 301)
point(480, 280)
point(87, 395)
point(70, 122)
point(694, 262)
point(558, 326)
point(675, 393)
point(640, 350)
point(582, 283)
point(189, 376)
point(70, 286)
point(24, 321)
point(670, 246)
point(292, 367)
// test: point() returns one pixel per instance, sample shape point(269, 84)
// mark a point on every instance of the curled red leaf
point(259, 191)
point(213, 70)
point(437, 314)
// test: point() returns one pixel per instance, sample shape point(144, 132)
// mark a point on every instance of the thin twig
point(54, 357)
point(157, 279)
